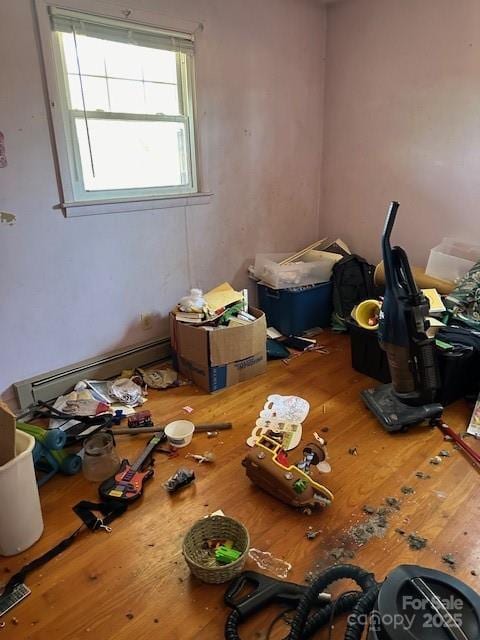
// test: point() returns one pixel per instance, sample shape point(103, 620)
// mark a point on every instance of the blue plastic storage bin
point(293, 311)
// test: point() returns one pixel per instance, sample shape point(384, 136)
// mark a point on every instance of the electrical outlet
point(146, 321)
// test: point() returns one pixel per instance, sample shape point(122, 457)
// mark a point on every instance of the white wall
point(402, 122)
point(74, 288)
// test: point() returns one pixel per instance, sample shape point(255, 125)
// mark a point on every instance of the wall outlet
point(146, 321)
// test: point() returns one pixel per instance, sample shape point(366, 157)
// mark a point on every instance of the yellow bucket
point(364, 311)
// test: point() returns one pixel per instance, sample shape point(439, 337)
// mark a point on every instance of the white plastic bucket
point(180, 432)
point(21, 522)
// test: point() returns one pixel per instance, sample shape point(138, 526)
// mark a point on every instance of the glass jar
point(100, 460)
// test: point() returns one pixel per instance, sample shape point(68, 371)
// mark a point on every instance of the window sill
point(129, 205)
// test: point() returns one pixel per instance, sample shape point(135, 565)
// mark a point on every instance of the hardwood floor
point(133, 583)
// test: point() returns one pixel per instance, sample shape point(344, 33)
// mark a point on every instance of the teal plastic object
point(49, 457)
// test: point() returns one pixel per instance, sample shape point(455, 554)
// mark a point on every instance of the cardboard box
point(216, 358)
point(8, 425)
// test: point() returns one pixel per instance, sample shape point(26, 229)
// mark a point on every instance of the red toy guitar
point(127, 484)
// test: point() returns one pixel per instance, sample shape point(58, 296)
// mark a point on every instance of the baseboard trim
point(54, 383)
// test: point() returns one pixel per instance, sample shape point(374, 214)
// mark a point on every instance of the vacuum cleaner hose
point(303, 626)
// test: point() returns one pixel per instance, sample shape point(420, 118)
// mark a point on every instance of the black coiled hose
point(303, 626)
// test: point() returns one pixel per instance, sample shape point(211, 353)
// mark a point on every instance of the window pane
point(126, 96)
point(91, 55)
point(123, 60)
point(119, 77)
point(132, 154)
point(161, 98)
point(94, 91)
point(157, 65)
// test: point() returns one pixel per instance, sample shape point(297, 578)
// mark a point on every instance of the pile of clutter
point(118, 397)
point(222, 306)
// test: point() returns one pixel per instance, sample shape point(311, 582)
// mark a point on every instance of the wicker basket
point(215, 527)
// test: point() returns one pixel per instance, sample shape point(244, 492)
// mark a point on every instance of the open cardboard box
point(215, 358)
point(7, 434)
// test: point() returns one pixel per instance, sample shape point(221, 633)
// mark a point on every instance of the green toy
point(224, 555)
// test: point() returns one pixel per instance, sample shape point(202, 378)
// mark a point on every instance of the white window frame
point(74, 200)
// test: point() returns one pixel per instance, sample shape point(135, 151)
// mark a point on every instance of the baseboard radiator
point(48, 386)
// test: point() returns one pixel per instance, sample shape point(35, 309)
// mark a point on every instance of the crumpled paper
point(126, 391)
point(159, 378)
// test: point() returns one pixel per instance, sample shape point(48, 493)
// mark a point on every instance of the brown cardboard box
point(220, 357)
point(7, 434)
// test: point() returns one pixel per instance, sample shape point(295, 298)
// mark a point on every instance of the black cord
point(332, 614)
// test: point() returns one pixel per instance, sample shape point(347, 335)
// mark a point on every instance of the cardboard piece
point(7, 434)
point(216, 358)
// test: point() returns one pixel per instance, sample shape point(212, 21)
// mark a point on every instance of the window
point(125, 94)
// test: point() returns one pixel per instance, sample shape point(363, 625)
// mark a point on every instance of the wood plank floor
point(133, 583)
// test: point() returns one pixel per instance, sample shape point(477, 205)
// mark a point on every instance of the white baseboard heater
point(50, 385)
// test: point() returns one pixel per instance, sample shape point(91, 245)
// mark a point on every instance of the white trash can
point(21, 522)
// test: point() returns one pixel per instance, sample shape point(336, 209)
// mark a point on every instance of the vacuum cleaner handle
point(388, 260)
point(265, 590)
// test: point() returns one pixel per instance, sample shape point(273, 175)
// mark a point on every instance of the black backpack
point(352, 278)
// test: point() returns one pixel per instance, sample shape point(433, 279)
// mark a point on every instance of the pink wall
point(402, 121)
point(75, 288)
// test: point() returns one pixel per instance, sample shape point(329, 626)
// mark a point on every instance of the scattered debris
point(444, 453)
point(180, 478)
point(14, 621)
point(156, 620)
point(473, 572)
point(140, 420)
point(416, 542)
point(368, 509)
point(407, 490)
point(208, 456)
point(353, 451)
point(159, 378)
point(400, 532)
point(309, 577)
point(422, 475)
point(392, 502)
point(264, 560)
point(212, 434)
point(435, 460)
point(362, 533)
point(129, 615)
point(311, 534)
point(341, 553)
point(126, 391)
point(449, 559)
point(188, 409)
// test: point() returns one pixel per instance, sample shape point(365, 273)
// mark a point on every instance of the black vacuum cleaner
point(402, 332)
point(412, 603)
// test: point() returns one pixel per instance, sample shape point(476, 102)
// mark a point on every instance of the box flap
point(237, 343)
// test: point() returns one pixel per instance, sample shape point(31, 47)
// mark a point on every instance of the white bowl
point(180, 432)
